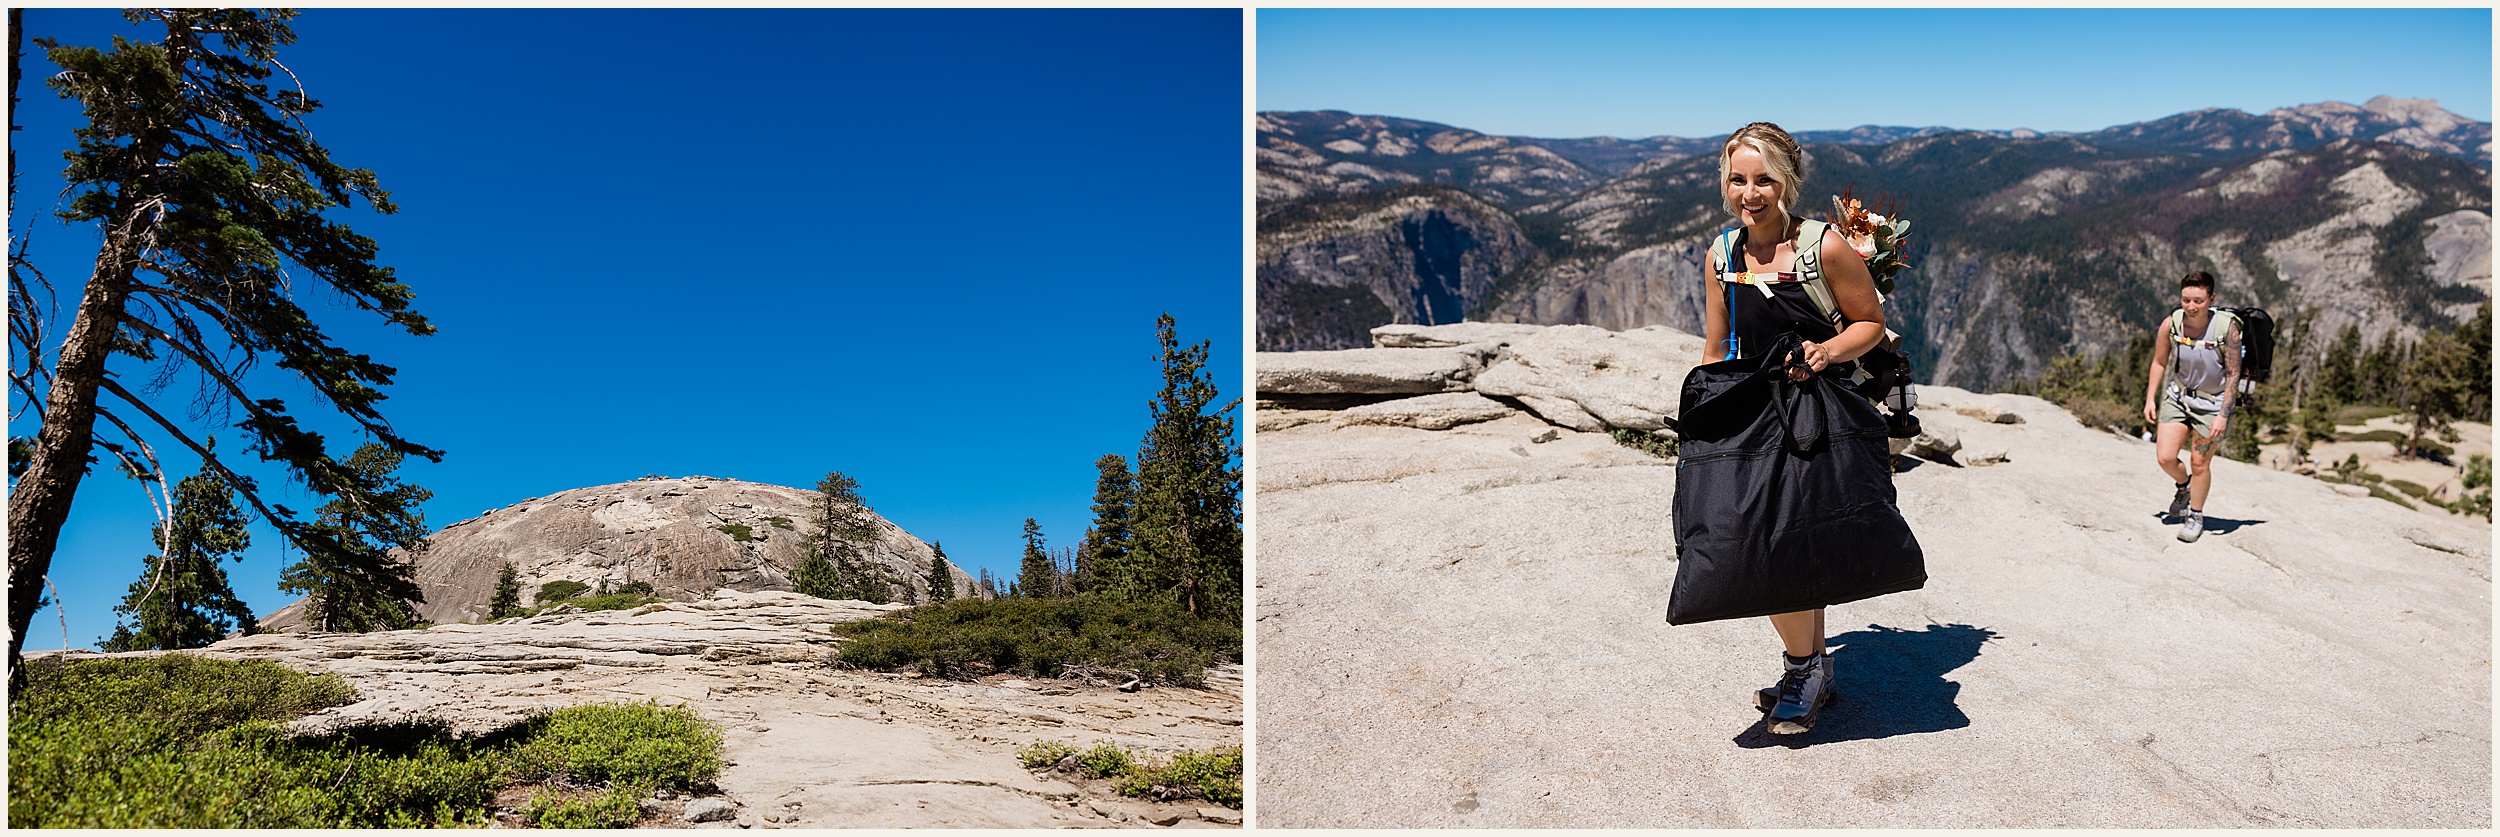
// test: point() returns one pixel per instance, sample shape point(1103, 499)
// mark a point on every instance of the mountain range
point(2025, 246)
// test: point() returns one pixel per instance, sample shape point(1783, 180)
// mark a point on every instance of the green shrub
point(638, 588)
point(616, 807)
point(1645, 442)
point(2380, 435)
point(191, 742)
point(2414, 489)
point(560, 590)
point(779, 522)
point(737, 531)
point(966, 638)
point(2358, 413)
point(1214, 775)
point(1043, 753)
point(2381, 492)
point(1104, 760)
point(620, 744)
point(613, 601)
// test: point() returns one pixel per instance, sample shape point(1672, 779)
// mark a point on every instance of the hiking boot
point(1804, 689)
point(2178, 502)
point(2194, 527)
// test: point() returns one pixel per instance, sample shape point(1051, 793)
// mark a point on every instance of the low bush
point(737, 531)
point(181, 741)
point(2392, 437)
point(2415, 490)
point(1645, 442)
point(1213, 775)
point(560, 590)
point(967, 638)
point(2381, 492)
point(779, 522)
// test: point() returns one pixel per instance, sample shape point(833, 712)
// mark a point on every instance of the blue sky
point(926, 248)
point(1700, 73)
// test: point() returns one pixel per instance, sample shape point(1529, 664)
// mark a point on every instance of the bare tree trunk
point(39, 504)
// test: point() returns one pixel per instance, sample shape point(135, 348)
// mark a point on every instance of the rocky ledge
point(1464, 627)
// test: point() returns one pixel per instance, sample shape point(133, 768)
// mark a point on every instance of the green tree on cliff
point(1035, 577)
point(941, 582)
point(507, 601)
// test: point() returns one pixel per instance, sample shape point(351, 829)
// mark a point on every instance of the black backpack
point(2256, 343)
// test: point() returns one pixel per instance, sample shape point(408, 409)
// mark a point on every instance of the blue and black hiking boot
point(2178, 502)
point(1804, 689)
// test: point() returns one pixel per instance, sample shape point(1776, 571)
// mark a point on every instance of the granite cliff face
point(2025, 246)
point(686, 536)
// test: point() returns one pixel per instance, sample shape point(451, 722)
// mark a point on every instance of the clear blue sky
point(926, 248)
point(1699, 73)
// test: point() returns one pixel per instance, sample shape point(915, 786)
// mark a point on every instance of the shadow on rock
point(1891, 683)
point(2213, 525)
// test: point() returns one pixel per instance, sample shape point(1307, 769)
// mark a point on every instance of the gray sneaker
point(2178, 502)
point(1804, 689)
point(2194, 527)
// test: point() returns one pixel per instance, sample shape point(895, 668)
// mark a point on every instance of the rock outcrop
point(805, 745)
point(686, 536)
point(1464, 628)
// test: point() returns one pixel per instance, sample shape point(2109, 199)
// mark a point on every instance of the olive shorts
point(2170, 410)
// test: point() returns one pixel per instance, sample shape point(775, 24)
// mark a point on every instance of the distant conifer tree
point(181, 600)
point(941, 582)
point(507, 600)
point(1035, 578)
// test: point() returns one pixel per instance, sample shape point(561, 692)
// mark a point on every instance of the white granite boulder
point(1370, 371)
point(1411, 336)
point(1438, 411)
point(1628, 379)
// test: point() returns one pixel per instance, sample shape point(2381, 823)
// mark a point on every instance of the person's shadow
point(1891, 683)
point(2213, 525)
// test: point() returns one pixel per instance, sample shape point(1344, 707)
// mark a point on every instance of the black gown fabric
point(1783, 490)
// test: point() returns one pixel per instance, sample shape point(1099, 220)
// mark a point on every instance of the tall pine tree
point(1188, 508)
point(1108, 567)
point(182, 600)
point(358, 585)
point(1035, 577)
point(834, 568)
point(209, 198)
point(941, 582)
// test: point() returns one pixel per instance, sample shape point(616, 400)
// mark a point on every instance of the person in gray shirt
point(2195, 370)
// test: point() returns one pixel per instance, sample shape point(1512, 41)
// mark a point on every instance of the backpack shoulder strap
point(1809, 264)
point(1721, 248)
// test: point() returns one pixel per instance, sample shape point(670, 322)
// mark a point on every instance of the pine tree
point(182, 600)
point(2339, 377)
point(988, 584)
point(836, 518)
point(353, 583)
point(1108, 567)
point(941, 582)
point(2441, 379)
point(815, 575)
point(199, 173)
point(507, 601)
point(1188, 507)
point(1034, 578)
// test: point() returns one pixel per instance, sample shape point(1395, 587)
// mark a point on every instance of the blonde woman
point(1764, 280)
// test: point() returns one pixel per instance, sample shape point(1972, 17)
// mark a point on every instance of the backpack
point(2256, 343)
